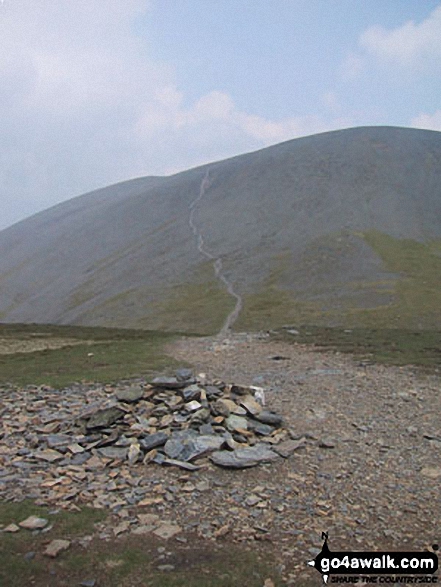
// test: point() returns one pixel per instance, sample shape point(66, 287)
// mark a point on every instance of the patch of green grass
point(272, 305)
point(65, 523)
point(411, 301)
point(115, 354)
point(197, 565)
point(382, 345)
point(418, 292)
point(200, 306)
point(123, 562)
point(15, 570)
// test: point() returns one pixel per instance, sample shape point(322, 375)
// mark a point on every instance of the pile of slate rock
point(182, 419)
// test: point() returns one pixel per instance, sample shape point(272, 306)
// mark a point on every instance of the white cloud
point(408, 45)
point(428, 121)
point(82, 105)
point(412, 46)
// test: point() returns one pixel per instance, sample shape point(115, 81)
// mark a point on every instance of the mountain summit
point(340, 228)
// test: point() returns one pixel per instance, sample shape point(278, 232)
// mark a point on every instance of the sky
point(93, 92)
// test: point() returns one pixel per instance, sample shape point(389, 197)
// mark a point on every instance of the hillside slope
point(338, 228)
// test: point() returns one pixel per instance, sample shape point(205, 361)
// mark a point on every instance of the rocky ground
point(363, 463)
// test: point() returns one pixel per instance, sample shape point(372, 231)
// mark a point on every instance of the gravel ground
point(370, 472)
point(367, 470)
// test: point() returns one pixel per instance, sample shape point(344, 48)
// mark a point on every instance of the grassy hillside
point(341, 228)
point(60, 355)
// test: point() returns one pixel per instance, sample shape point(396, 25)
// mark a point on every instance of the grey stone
point(176, 463)
point(206, 429)
point(30, 555)
point(259, 428)
point(192, 406)
point(193, 392)
point(212, 391)
point(166, 530)
point(169, 382)
point(48, 455)
point(166, 568)
point(200, 416)
point(130, 395)
point(220, 408)
point(234, 423)
point(251, 405)
point(244, 457)
point(201, 446)
point(240, 390)
point(327, 443)
point(33, 523)
point(173, 448)
point(104, 418)
point(80, 458)
point(153, 440)
point(184, 374)
point(54, 548)
point(113, 452)
point(269, 418)
point(159, 459)
point(288, 447)
point(58, 440)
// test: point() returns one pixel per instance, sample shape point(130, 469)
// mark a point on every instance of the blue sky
point(98, 91)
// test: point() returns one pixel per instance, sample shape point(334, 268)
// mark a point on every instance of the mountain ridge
point(298, 224)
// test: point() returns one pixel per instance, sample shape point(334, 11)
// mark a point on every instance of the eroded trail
point(217, 261)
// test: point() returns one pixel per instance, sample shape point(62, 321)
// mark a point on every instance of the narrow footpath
point(217, 261)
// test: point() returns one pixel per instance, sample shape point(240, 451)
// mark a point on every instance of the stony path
point(367, 472)
point(217, 261)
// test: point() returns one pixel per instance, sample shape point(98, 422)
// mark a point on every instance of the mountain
point(340, 228)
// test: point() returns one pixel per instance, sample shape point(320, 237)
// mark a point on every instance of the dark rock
point(193, 392)
point(200, 417)
point(130, 395)
point(244, 457)
point(113, 452)
point(240, 390)
point(176, 463)
point(104, 418)
point(184, 374)
point(220, 408)
point(58, 440)
point(327, 443)
point(206, 429)
point(159, 458)
point(287, 448)
point(234, 423)
point(260, 428)
point(153, 440)
point(201, 446)
point(269, 418)
point(212, 391)
point(169, 382)
point(80, 458)
point(174, 448)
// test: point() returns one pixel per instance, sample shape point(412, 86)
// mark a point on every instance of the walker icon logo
point(375, 563)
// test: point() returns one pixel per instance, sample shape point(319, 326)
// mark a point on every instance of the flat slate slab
point(130, 395)
point(244, 457)
point(170, 382)
point(104, 418)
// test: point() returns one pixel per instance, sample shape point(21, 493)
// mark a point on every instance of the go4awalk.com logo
point(376, 567)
